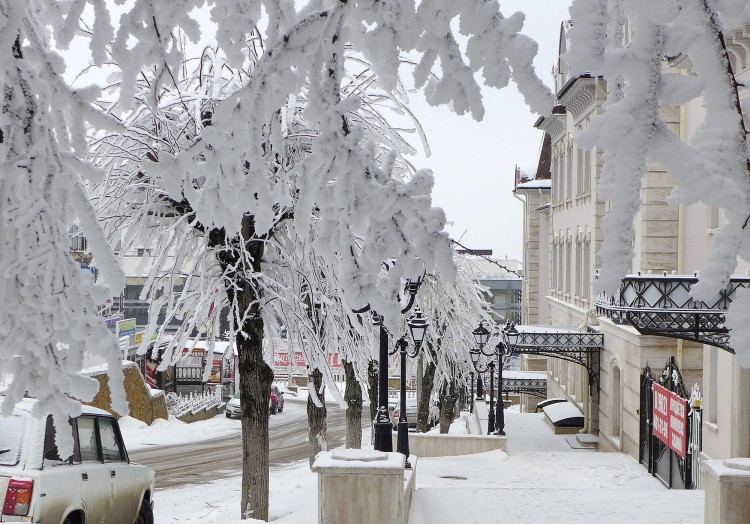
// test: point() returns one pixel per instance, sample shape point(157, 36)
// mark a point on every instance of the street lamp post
point(481, 335)
point(504, 352)
point(471, 406)
point(382, 425)
point(476, 359)
point(417, 325)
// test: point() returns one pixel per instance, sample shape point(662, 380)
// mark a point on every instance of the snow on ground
point(541, 480)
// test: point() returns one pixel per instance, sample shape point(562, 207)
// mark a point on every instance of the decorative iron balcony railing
point(663, 306)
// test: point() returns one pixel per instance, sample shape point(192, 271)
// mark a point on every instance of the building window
point(586, 269)
point(569, 173)
point(568, 268)
point(579, 268)
point(580, 172)
point(712, 390)
point(713, 217)
point(587, 172)
point(557, 182)
point(616, 401)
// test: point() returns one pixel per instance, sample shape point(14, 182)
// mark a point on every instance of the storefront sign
point(670, 419)
point(125, 327)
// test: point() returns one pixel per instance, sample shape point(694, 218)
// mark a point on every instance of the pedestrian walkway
point(542, 479)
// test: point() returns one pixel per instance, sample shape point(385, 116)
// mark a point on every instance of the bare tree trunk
point(372, 394)
point(353, 396)
point(255, 375)
point(447, 405)
point(316, 417)
point(423, 409)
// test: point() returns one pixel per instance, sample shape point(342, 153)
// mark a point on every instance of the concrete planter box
point(362, 487)
point(727, 486)
point(437, 445)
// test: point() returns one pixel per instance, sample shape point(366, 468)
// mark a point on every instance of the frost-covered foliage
point(48, 311)
point(454, 311)
point(641, 47)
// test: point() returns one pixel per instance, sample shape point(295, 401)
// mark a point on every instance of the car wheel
point(67, 520)
point(229, 415)
point(145, 514)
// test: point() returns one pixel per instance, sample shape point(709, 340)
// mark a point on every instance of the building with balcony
point(563, 214)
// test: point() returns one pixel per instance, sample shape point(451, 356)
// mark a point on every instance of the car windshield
point(11, 432)
point(236, 396)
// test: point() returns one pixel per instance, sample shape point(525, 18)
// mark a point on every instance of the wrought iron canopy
point(662, 306)
point(566, 343)
point(530, 383)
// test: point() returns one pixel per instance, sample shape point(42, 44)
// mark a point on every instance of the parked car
point(98, 483)
point(233, 406)
point(411, 412)
point(275, 403)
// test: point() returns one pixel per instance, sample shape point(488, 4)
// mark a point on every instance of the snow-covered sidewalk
point(544, 480)
point(541, 480)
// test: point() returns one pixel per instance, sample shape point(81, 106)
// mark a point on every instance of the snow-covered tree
point(48, 310)
point(454, 310)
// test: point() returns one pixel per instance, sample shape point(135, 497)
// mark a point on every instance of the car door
point(125, 492)
point(96, 490)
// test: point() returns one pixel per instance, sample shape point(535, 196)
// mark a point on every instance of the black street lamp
point(383, 428)
point(471, 406)
point(504, 352)
point(476, 359)
point(418, 326)
point(481, 336)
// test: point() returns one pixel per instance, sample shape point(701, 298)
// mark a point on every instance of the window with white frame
point(587, 155)
point(554, 263)
point(568, 268)
point(579, 267)
point(586, 267)
point(712, 389)
point(569, 173)
point(579, 171)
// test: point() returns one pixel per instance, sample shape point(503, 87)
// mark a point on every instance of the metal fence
point(179, 405)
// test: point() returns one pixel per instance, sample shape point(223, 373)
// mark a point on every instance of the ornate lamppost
point(383, 438)
point(481, 367)
point(504, 351)
point(471, 405)
point(417, 326)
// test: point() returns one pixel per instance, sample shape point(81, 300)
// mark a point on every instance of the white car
point(411, 412)
point(96, 484)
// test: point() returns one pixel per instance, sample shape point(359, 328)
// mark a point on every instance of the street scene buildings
point(234, 273)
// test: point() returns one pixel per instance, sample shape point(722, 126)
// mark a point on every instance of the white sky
point(473, 163)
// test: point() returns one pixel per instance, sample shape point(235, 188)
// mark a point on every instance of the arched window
point(568, 268)
point(616, 402)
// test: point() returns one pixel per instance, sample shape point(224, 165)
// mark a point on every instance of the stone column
point(360, 487)
point(727, 487)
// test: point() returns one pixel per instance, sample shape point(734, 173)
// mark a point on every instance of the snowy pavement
point(541, 480)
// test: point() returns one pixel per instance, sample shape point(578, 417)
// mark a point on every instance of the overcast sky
point(473, 162)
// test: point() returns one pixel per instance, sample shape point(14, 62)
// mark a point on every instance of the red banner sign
point(281, 359)
point(670, 419)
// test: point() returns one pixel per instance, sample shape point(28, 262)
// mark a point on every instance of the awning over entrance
point(565, 342)
point(662, 306)
point(527, 382)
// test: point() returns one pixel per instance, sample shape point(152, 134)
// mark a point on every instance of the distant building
point(502, 277)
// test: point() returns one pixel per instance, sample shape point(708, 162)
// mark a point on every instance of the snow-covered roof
point(562, 411)
point(537, 183)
